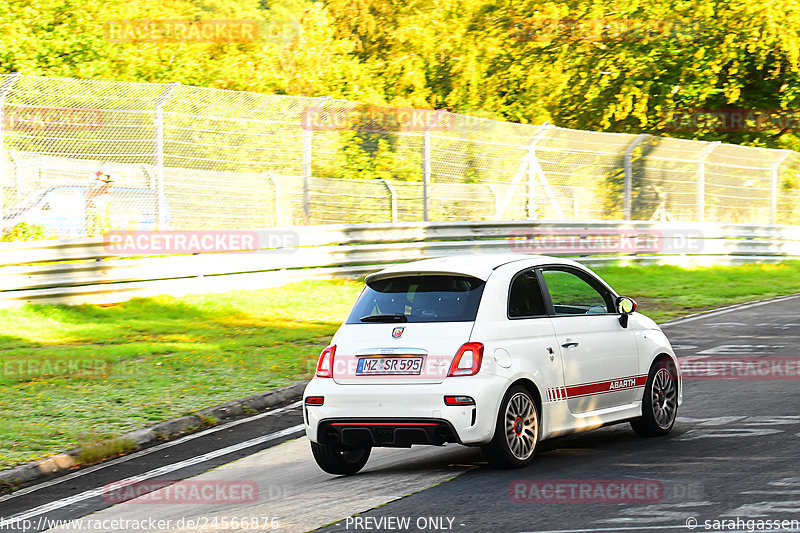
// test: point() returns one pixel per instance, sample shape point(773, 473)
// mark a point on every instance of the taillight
point(325, 363)
point(467, 361)
point(315, 400)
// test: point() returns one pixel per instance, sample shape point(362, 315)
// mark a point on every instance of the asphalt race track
point(732, 463)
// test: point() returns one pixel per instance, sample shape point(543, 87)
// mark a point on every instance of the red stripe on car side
point(600, 387)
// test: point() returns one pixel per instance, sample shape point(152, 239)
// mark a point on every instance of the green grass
point(664, 292)
point(147, 360)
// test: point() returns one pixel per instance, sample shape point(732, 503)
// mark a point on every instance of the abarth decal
point(558, 394)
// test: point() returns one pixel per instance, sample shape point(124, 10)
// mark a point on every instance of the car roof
point(478, 266)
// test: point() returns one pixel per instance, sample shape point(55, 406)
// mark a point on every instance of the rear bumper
point(396, 433)
point(420, 408)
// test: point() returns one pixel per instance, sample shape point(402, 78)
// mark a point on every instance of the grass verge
point(86, 374)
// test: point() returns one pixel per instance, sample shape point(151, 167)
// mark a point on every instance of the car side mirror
point(625, 307)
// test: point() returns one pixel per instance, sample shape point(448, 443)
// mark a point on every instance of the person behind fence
point(98, 215)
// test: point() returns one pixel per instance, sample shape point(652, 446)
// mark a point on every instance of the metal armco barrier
point(90, 271)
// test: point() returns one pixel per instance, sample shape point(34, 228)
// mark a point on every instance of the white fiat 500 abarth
point(498, 351)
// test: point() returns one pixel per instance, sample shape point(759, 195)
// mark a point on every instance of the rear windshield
point(419, 299)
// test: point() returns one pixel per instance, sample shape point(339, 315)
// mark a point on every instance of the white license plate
point(396, 366)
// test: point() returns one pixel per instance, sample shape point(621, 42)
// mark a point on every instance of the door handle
point(569, 344)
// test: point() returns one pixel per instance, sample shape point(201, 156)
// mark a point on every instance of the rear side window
point(525, 297)
point(419, 299)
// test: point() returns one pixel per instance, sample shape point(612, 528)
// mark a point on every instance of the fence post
point(628, 167)
point(159, 123)
point(308, 131)
point(392, 197)
point(528, 166)
point(531, 204)
point(533, 165)
point(700, 202)
point(307, 175)
point(277, 200)
point(493, 191)
point(8, 83)
point(426, 171)
point(773, 186)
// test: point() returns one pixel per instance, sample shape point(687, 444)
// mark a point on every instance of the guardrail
point(91, 271)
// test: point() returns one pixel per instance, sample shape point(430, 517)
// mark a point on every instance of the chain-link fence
point(184, 157)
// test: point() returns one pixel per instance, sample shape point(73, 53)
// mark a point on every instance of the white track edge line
point(728, 309)
point(146, 451)
point(166, 469)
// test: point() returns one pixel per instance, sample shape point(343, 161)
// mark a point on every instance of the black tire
point(340, 461)
point(516, 434)
point(660, 401)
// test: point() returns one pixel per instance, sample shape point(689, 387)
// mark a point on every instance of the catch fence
point(193, 158)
